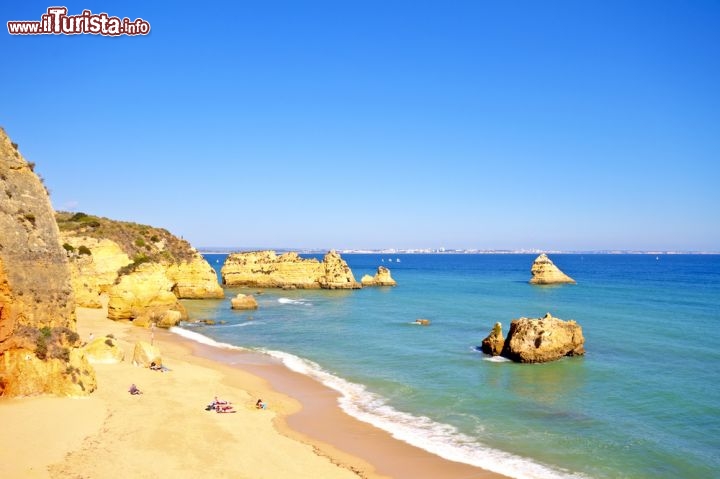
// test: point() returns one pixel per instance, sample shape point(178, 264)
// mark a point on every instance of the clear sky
point(377, 124)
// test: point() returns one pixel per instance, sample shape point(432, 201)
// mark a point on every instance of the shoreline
point(322, 423)
point(166, 433)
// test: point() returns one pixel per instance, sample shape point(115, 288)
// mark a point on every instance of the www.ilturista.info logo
point(57, 22)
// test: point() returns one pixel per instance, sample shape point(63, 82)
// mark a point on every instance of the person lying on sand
point(218, 405)
point(260, 404)
point(134, 390)
point(158, 367)
point(224, 408)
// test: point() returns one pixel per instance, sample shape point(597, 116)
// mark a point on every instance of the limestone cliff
point(108, 256)
point(544, 271)
point(96, 270)
point(381, 278)
point(194, 279)
point(544, 339)
point(147, 290)
point(265, 269)
point(39, 345)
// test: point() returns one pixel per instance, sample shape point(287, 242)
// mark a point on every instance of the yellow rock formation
point(195, 279)
point(244, 301)
point(544, 339)
point(104, 350)
point(493, 344)
point(145, 354)
point(145, 290)
point(545, 272)
point(94, 274)
point(381, 278)
point(39, 346)
point(265, 269)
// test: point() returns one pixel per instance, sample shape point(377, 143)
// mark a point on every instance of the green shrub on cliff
point(137, 261)
point(142, 242)
point(47, 342)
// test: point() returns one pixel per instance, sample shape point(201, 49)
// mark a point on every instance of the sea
point(643, 402)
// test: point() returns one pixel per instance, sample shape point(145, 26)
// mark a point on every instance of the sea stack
point(266, 269)
point(381, 278)
point(243, 301)
point(536, 340)
point(494, 343)
point(544, 271)
point(39, 345)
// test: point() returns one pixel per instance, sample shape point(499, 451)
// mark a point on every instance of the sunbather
point(224, 408)
point(217, 404)
point(158, 367)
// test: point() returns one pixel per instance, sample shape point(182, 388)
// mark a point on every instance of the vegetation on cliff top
point(142, 243)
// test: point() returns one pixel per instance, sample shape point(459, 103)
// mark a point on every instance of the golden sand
point(167, 433)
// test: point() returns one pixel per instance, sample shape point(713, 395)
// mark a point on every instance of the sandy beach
point(166, 431)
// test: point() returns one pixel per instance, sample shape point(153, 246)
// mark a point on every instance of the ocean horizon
point(643, 401)
point(222, 250)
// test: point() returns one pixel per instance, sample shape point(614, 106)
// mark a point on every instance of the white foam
point(202, 339)
point(497, 359)
point(420, 431)
point(294, 301)
point(242, 325)
point(441, 439)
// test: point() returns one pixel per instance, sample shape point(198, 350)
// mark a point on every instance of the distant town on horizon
point(226, 249)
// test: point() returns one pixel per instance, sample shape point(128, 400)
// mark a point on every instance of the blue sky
point(568, 125)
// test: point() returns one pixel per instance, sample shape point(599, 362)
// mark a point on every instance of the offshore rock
point(265, 269)
point(544, 271)
point(381, 278)
point(494, 342)
point(542, 340)
point(39, 345)
point(243, 301)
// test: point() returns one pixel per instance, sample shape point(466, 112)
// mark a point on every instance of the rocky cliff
point(147, 290)
point(39, 345)
point(544, 271)
point(381, 278)
point(266, 269)
point(143, 270)
point(95, 271)
point(536, 340)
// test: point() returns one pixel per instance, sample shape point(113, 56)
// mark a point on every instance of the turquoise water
point(643, 402)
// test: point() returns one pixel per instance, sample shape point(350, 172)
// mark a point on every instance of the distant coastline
point(391, 251)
